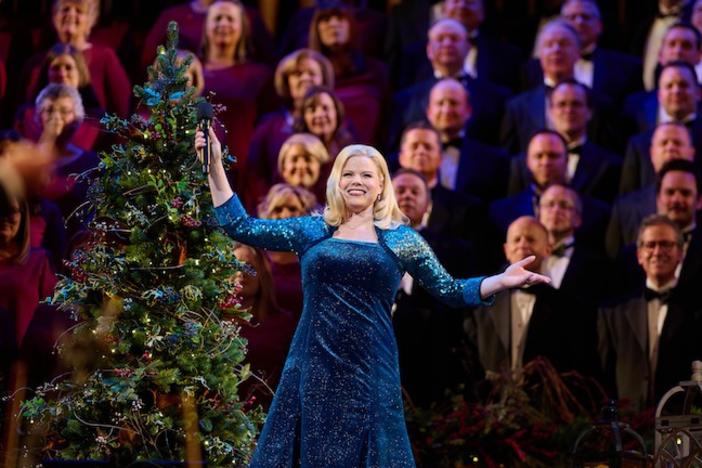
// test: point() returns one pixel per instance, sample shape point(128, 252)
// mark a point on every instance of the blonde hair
point(311, 143)
point(282, 191)
point(241, 51)
point(386, 212)
point(289, 64)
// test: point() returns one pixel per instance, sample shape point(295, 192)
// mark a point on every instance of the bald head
point(447, 46)
point(558, 47)
point(670, 141)
point(448, 109)
point(527, 236)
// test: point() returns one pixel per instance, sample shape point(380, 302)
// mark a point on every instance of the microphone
point(205, 113)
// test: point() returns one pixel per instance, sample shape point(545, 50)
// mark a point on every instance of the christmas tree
point(155, 292)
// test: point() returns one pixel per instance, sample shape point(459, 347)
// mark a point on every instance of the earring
point(377, 199)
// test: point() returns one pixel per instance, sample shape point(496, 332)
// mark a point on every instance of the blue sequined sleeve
point(281, 235)
point(418, 259)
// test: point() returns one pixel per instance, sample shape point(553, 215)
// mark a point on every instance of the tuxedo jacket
point(637, 170)
point(483, 170)
point(614, 74)
point(488, 330)
point(624, 349)
point(486, 99)
point(594, 218)
point(429, 334)
point(597, 173)
point(627, 213)
point(526, 113)
point(587, 276)
point(456, 215)
point(631, 275)
point(642, 15)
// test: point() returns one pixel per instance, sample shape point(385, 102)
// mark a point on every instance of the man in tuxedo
point(574, 268)
point(681, 43)
point(447, 48)
point(670, 142)
point(451, 213)
point(522, 323)
point(605, 71)
point(488, 58)
point(679, 97)
point(547, 161)
point(591, 169)
point(679, 198)
point(648, 340)
point(648, 40)
point(428, 333)
point(558, 49)
point(467, 166)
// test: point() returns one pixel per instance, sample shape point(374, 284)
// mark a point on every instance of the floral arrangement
point(531, 418)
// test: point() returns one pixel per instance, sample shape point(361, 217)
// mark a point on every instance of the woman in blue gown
point(339, 403)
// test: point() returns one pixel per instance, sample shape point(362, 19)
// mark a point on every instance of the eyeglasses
point(666, 245)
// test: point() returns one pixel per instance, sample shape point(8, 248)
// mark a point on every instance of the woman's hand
point(215, 147)
point(516, 276)
point(219, 185)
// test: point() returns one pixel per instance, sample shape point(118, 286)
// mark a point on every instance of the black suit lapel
point(585, 172)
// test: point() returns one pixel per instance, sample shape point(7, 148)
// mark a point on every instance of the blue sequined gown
point(338, 403)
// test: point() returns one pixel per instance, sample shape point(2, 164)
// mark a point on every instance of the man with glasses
point(648, 340)
point(578, 272)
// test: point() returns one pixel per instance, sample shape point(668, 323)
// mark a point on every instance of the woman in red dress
point(241, 85)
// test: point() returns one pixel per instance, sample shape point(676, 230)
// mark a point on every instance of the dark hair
point(310, 96)
point(680, 64)
point(548, 131)
point(690, 27)
point(420, 125)
point(680, 165)
point(572, 82)
point(409, 171)
point(7, 196)
point(324, 11)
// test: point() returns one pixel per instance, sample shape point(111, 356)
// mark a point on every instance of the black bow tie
point(561, 249)
point(454, 143)
point(663, 296)
point(587, 56)
point(576, 150)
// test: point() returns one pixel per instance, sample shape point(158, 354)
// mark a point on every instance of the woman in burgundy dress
point(26, 276)
point(64, 64)
point(73, 21)
point(287, 201)
point(271, 328)
point(322, 115)
point(241, 85)
point(361, 81)
point(295, 74)
point(60, 112)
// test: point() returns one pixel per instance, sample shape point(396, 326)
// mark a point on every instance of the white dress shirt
point(555, 266)
point(521, 310)
point(653, 47)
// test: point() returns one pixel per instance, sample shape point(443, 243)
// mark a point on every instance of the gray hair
point(55, 91)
